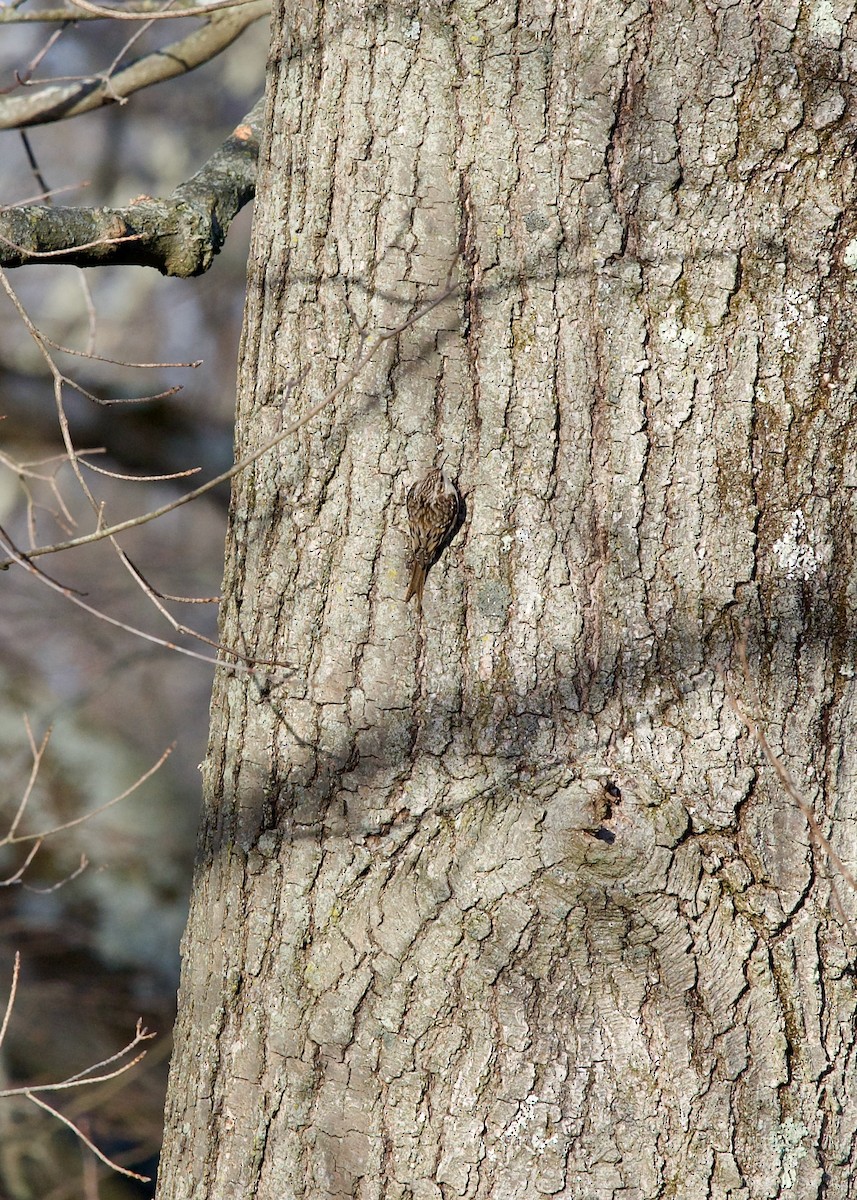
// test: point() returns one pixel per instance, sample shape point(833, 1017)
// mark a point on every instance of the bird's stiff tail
point(418, 582)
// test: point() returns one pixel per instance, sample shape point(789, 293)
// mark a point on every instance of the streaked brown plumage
point(433, 506)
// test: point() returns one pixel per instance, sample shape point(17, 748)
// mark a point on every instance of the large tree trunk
point(506, 901)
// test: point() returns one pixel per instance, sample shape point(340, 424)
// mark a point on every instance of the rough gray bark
point(416, 964)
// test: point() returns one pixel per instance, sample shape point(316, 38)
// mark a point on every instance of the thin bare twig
point(23, 77)
point(78, 1132)
point(10, 1003)
point(126, 478)
point(91, 318)
point(42, 196)
point(104, 241)
point(86, 1076)
point(25, 467)
point(19, 874)
point(31, 156)
point(116, 400)
point(60, 883)
point(135, 37)
point(37, 752)
point(118, 362)
point(141, 1034)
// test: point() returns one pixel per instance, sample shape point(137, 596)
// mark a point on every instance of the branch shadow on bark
point(343, 779)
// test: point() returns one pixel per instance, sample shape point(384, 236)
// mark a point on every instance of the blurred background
point(99, 946)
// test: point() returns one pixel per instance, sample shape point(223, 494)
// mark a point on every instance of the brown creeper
point(433, 508)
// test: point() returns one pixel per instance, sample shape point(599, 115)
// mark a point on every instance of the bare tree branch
point(145, 14)
point(179, 235)
point(11, 14)
point(58, 101)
